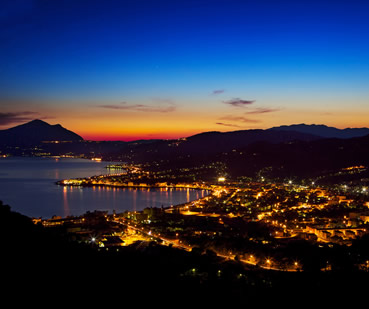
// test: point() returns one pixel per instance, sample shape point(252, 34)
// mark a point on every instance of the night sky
point(141, 69)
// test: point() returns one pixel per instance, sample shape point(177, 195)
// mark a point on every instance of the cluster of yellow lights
point(354, 167)
point(72, 182)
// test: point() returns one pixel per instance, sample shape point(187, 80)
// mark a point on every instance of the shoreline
point(62, 183)
point(124, 186)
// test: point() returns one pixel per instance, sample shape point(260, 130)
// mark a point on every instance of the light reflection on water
point(28, 186)
point(122, 199)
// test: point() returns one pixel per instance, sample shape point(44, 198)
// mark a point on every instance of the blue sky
point(171, 67)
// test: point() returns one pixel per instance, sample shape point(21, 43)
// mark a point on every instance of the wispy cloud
point(239, 102)
point(17, 117)
point(262, 111)
point(217, 91)
point(227, 124)
point(167, 107)
point(239, 119)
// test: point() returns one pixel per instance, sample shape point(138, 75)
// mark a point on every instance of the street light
point(268, 262)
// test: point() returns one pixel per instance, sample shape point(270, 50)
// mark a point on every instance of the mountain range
point(324, 131)
point(35, 132)
point(304, 150)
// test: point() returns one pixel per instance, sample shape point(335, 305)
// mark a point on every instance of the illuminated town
point(255, 223)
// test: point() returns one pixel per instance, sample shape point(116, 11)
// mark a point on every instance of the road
point(176, 243)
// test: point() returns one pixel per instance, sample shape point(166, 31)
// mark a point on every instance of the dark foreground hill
point(47, 263)
point(35, 132)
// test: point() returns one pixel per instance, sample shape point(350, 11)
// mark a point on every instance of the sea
point(28, 186)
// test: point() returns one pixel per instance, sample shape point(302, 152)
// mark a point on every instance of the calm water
point(28, 186)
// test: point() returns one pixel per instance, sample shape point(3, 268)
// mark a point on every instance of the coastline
point(180, 186)
point(41, 198)
point(124, 186)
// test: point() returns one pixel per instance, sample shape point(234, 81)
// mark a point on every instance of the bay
point(28, 186)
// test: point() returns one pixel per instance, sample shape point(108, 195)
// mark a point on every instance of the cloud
point(262, 111)
point(227, 124)
point(218, 91)
point(16, 117)
point(168, 107)
point(239, 102)
point(239, 119)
